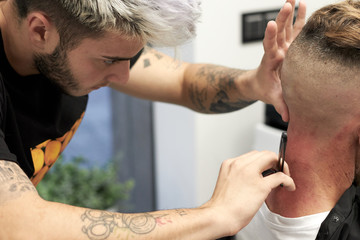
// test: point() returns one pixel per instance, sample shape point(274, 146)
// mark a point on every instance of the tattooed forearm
point(198, 97)
point(214, 96)
point(222, 103)
point(181, 212)
point(99, 225)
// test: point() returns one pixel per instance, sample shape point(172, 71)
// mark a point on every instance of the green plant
point(92, 187)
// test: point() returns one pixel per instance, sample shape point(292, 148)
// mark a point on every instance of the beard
point(55, 67)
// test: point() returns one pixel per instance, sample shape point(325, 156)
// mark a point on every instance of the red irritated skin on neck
point(282, 149)
point(321, 173)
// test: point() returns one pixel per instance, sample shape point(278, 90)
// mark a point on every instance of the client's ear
point(42, 32)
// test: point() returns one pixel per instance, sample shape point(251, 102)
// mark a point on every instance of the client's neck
point(322, 167)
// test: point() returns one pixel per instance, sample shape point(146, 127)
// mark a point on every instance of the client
point(321, 87)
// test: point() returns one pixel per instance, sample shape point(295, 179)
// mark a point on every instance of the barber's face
point(93, 64)
point(55, 67)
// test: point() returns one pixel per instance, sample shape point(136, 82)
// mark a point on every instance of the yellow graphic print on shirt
point(45, 154)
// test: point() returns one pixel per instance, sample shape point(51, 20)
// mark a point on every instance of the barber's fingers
point(300, 19)
point(289, 21)
point(267, 160)
point(286, 169)
point(282, 31)
point(270, 39)
point(259, 161)
point(282, 22)
point(244, 158)
point(280, 178)
point(292, 30)
point(264, 160)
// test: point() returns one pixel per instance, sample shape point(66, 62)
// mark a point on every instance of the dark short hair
point(71, 31)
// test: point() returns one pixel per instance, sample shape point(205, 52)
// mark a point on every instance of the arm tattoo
point(181, 212)
point(146, 63)
point(149, 50)
point(14, 180)
point(198, 97)
point(99, 225)
point(222, 82)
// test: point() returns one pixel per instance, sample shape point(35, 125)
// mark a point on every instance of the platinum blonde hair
point(157, 22)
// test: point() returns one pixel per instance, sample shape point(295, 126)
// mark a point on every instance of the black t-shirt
point(37, 120)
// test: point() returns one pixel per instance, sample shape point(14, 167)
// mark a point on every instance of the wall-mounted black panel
point(254, 24)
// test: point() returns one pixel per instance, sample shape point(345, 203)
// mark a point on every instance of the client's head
point(321, 71)
point(321, 82)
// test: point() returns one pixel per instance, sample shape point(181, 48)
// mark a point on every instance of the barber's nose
point(119, 73)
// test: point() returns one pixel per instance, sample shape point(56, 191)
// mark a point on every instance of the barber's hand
point(278, 36)
point(241, 189)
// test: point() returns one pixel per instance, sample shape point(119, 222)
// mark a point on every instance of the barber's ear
point(42, 33)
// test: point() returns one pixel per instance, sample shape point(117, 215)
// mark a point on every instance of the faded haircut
point(333, 32)
point(156, 22)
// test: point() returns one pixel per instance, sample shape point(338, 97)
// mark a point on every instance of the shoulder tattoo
point(14, 180)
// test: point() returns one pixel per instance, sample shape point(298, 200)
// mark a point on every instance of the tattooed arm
point(204, 88)
point(239, 193)
point(215, 89)
point(26, 216)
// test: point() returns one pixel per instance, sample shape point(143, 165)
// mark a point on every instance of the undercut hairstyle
point(333, 32)
point(156, 22)
point(331, 37)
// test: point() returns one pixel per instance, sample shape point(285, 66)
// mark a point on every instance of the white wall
point(174, 132)
point(190, 146)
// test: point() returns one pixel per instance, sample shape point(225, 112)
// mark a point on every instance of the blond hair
point(157, 22)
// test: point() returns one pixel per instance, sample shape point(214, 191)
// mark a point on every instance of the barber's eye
point(109, 62)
